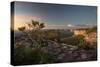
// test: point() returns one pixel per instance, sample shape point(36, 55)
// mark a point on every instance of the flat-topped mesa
point(79, 31)
point(90, 34)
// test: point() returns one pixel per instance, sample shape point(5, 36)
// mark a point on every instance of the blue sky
point(54, 14)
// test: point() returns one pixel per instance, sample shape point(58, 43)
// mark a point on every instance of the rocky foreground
point(68, 53)
point(63, 52)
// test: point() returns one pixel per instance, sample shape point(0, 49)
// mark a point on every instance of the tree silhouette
point(32, 54)
point(21, 28)
point(34, 26)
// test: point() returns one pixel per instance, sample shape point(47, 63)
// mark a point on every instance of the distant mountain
point(69, 26)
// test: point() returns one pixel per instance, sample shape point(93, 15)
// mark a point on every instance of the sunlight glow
point(22, 20)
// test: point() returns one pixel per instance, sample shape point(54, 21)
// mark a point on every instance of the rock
point(44, 49)
point(70, 52)
point(60, 57)
point(53, 45)
point(84, 56)
point(65, 47)
point(63, 44)
point(73, 48)
point(75, 54)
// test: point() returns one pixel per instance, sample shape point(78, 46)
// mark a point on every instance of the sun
point(70, 25)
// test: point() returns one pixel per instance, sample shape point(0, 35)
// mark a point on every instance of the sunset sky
point(54, 15)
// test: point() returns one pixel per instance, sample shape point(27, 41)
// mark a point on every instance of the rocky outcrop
point(68, 53)
point(64, 52)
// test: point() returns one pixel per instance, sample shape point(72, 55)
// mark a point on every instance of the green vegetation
point(36, 25)
point(33, 54)
point(94, 29)
point(27, 55)
point(73, 40)
point(77, 41)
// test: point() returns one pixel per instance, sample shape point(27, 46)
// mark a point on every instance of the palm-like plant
point(21, 28)
point(33, 23)
point(41, 25)
point(36, 25)
point(33, 27)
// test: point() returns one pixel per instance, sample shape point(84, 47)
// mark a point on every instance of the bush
point(27, 55)
point(51, 35)
point(94, 29)
point(85, 46)
point(70, 41)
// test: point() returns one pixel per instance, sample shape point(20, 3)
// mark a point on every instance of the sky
point(54, 15)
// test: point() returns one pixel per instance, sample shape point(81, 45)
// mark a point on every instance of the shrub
point(70, 41)
point(85, 46)
point(27, 55)
point(94, 29)
point(52, 35)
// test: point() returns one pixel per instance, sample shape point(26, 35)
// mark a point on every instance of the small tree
point(34, 26)
point(21, 28)
point(32, 55)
